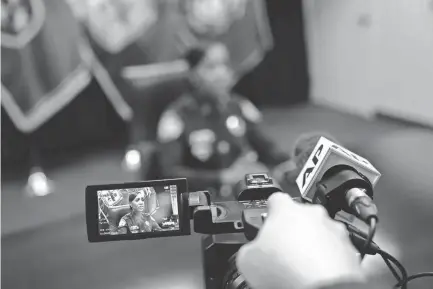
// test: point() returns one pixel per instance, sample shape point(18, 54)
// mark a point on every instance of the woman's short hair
point(195, 55)
point(132, 197)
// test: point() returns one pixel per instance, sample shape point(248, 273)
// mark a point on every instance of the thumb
point(249, 262)
point(245, 261)
point(278, 203)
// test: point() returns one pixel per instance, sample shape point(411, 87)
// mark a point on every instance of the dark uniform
point(144, 224)
point(198, 140)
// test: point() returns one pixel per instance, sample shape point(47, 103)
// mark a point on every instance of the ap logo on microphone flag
point(325, 155)
point(39, 76)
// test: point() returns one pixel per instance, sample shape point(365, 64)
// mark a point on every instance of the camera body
point(229, 225)
point(219, 260)
point(226, 217)
point(167, 207)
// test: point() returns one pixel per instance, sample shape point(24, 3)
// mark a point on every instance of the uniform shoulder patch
point(250, 111)
point(170, 127)
point(122, 222)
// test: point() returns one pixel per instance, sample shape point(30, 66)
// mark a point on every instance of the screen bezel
point(92, 217)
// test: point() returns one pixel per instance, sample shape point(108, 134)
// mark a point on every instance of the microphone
point(338, 179)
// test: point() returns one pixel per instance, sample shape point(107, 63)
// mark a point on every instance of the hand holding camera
point(297, 246)
point(307, 247)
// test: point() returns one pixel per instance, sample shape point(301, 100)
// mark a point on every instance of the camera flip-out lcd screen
point(136, 210)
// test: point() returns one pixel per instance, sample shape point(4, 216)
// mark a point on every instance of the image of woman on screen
point(140, 219)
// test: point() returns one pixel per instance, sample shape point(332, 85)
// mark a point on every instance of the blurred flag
point(126, 33)
point(42, 68)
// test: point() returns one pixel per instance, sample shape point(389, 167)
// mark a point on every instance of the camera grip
point(253, 220)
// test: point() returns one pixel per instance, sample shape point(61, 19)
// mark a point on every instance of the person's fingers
point(250, 257)
point(339, 228)
point(242, 256)
point(279, 202)
point(318, 211)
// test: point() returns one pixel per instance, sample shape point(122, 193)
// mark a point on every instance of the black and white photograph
point(216, 144)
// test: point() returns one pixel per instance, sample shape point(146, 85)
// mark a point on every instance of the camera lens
point(233, 279)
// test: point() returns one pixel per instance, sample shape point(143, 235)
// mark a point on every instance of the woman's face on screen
point(138, 203)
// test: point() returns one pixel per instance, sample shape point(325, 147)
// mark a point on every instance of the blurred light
point(132, 161)
point(39, 184)
point(232, 122)
point(223, 147)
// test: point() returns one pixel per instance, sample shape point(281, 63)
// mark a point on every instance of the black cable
point(392, 269)
point(404, 279)
point(365, 236)
point(413, 277)
point(354, 229)
point(389, 260)
point(400, 267)
point(371, 233)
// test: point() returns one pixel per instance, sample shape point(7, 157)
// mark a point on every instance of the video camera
point(165, 208)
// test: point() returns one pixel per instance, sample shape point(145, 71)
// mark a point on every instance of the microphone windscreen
point(302, 149)
point(307, 142)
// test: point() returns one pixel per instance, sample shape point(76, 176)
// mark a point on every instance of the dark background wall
point(90, 121)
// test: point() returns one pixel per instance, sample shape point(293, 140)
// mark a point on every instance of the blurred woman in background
point(212, 136)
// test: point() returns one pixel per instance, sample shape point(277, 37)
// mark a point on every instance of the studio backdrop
point(69, 85)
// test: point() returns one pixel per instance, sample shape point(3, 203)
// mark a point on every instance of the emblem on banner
point(213, 17)
point(115, 24)
point(21, 21)
point(201, 143)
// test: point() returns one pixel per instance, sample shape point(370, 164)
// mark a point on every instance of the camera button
point(238, 225)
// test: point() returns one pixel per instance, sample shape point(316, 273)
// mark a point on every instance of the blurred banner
point(126, 44)
point(42, 67)
point(138, 43)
